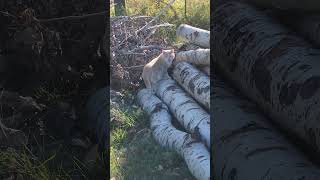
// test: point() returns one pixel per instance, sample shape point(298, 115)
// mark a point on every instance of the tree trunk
point(194, 153)
point(245, 146)
point(276, 69)
point(195, 82)
point(198, 56)
point(120, 7)
point(194, 35)
point(189, 114)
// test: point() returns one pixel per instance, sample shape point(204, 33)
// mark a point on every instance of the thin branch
point(73, 17)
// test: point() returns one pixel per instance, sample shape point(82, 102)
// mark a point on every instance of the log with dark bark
point(245, 146)
point(195, 82)
point(193, 152)
point(272, 66)
point(189, 114)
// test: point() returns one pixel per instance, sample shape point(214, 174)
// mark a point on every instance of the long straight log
point(198, 56)
point(245, 146)
point(194, 35)
point(194, 153)
point(189, 114)
point(275, 68)
point(195, 82)
point(289, 5)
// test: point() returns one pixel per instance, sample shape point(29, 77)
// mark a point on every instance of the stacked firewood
point(266, 120)
point(186, 96)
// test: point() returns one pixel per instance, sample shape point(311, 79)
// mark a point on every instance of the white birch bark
point(195, 82)
point(194, 153)
point(194, 35)
point(245, 146)
point(189, 114)
point(198, 56)
point(272, 66)
point(289, 5)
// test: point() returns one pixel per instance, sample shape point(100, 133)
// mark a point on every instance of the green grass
point(134, 152)
point(198, 11)
point(12, 162)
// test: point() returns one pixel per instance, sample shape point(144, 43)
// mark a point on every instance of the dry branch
point(195, 82)
point(194, 35)
point(198, 56)
point(189, 114)
point(275, 68)
point(246, 146)
point(194, 153)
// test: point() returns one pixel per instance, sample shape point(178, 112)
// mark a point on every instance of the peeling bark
point(189, 114)
point(198, 56)
point(245, 146)
point(194, 35)
point(196, 83)
point(194, 153)
point(275, 68)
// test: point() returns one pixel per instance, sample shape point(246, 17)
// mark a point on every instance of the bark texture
point(275, 68)
point(289, 5)
point(98, 118)
point(194, 153)
point(198, 56)
point(194, 35)
point(195, 82)
point(245, 146)
point(206, 70)
point(189, 114)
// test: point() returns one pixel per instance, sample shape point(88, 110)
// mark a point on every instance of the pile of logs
point(186, 96)
point(266, 122)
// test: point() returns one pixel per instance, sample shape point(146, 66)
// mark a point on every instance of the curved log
point(189, 114)
point(194, 35)
point(195, 82)
point(198, 56)
point(246, 146)
point(194, 153)
point(276, 69)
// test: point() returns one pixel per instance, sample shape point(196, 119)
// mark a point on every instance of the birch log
point(97, 109)
point(194, 153)
point(206, 70)
point(289, 5)
point(306, 25)
point(276, 69)
point(194, 35)
point(245, 146)
point(195, 82)
point(189, 114)
point(198, 56)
